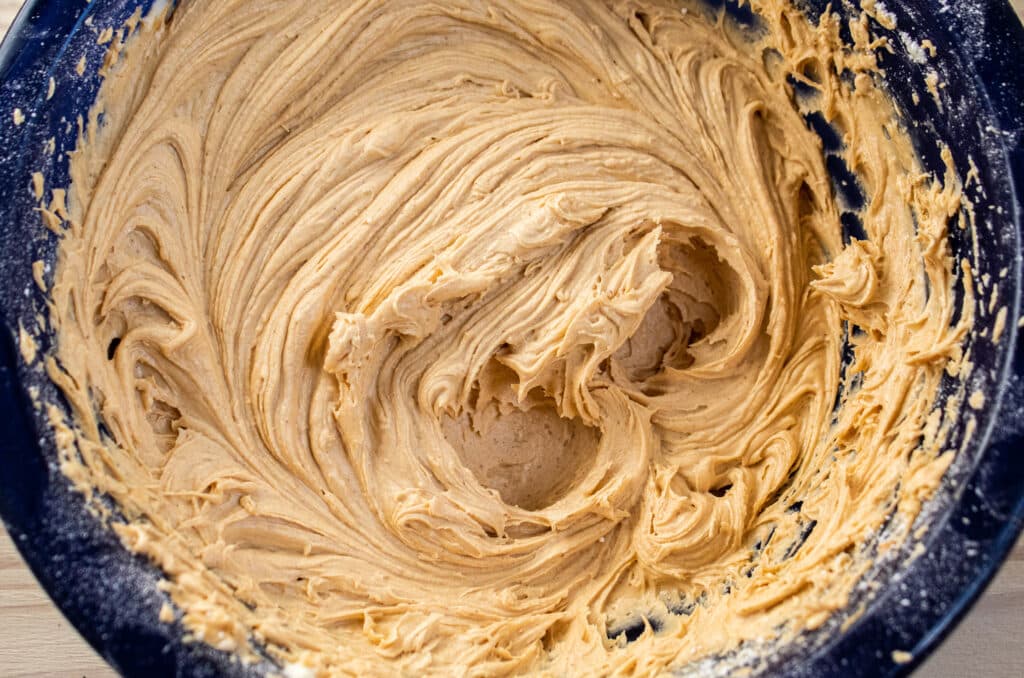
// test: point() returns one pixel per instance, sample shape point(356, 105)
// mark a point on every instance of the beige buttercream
point(445, 338)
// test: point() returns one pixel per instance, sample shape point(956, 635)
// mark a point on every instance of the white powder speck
point(297, 671)
point(914, 50)
point(884, 16)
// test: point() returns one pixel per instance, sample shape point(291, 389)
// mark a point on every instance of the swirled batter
point(454, 337)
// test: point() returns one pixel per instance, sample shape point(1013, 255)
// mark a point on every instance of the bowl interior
point(111, 595)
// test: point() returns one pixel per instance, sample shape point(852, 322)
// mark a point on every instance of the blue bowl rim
point(864, 649)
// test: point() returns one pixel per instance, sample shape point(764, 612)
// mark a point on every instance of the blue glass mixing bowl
point(111, 596)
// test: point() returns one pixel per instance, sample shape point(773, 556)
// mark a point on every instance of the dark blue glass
point(110, 595)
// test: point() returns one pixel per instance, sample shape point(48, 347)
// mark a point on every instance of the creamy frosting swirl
point(439, 337)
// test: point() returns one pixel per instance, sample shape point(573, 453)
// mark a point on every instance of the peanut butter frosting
point(457, 338)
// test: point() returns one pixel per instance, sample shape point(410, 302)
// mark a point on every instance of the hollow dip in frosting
point(453, 338)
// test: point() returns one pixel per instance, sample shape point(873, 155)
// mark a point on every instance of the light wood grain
point(36, 640)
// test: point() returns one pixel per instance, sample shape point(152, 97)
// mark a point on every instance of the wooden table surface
point(36, 640)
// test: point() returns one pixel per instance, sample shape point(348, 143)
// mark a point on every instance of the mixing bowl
point(907, 604)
